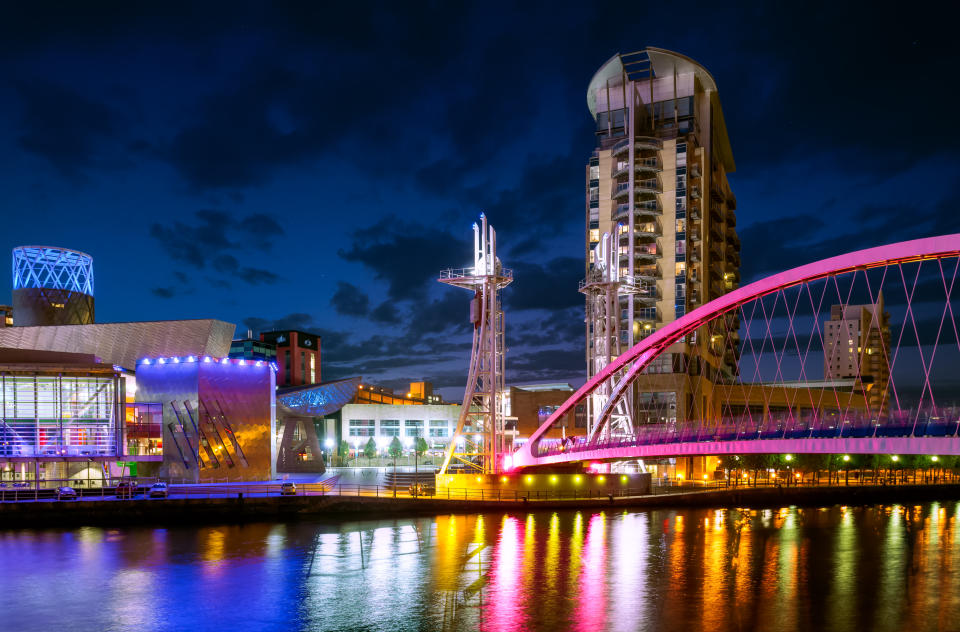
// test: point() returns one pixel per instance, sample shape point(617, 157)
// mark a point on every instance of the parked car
point(66, 493)
point(288, 489)
point(158, 490)
point(419, 489)
point(126, 489)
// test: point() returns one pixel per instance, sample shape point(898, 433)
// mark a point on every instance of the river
point(891, 567)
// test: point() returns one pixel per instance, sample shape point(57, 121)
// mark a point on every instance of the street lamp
point(328, 442)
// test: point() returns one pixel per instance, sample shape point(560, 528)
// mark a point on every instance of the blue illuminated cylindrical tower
point(52, 286)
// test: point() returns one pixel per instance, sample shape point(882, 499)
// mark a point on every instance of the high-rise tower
point(657, 183)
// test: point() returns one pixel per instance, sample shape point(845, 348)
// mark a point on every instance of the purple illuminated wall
point(219, 416)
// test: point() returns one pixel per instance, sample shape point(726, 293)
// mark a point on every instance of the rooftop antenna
point(478, 441)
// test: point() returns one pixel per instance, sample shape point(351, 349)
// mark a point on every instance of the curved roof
point(657, 62)
point(318, 399)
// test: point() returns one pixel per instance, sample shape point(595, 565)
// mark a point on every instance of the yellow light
point(745, 475)
point(361, 386)
point(503, 479)
point(529, 479)
point(553, 479)
point(934, 458)
point(704, 477)
point(797, 474)
point(679, 477)
point(576, 479)
point(623, 478)
point(479, 480)
point(602, 479)
point(895, 458)
point(846, 457)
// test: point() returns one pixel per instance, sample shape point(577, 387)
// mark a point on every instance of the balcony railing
point(640, 142)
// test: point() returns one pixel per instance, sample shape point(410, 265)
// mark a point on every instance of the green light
point(934, 458)
point(788, 457)
point(895, 458)
point(846, 457)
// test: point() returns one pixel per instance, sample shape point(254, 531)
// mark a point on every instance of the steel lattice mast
point(603, 288)
point(482, 411)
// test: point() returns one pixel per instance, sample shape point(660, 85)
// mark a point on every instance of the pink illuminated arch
point(647, 350)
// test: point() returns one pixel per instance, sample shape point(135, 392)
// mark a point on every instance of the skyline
point(270, 168)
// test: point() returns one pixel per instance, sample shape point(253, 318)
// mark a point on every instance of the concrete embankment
point(256, 509)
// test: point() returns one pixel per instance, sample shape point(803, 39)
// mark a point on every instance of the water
point(841, 568)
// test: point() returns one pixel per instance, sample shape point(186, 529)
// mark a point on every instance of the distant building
point(311, 418)
point(6, 316)
point(298, 356)
point(527, 406)
point(856, 343)
point(250, 348)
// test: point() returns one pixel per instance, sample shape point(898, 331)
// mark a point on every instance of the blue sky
point(314, 166)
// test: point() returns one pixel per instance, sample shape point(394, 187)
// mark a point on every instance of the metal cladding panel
point(44, 307)
point(318, 400)
point(125, 343)
point(204, 403)
point(244, 394)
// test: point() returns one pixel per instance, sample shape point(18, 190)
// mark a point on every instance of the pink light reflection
point(592, 602)
point(505, 609)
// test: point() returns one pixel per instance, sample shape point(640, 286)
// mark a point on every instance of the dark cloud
point(774, 245)
point(546, 364)
point(207, 241)
point(386, 313)
point(407, 255)
point(164, 292)
point(548, 286)
point(64, 127)
point(350, 300)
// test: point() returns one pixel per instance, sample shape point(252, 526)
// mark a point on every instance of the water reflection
point(840, 568)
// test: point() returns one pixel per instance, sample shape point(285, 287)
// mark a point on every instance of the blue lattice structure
point(52, 286)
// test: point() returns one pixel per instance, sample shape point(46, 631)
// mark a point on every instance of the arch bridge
point(858, 353)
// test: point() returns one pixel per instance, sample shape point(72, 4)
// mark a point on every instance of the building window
point(390, 428)
point(362, 427)
point(286, 367)
point(313, 368)
point(413, 428)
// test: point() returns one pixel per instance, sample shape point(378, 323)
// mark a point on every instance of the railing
point(640, 142)
point(904, 424)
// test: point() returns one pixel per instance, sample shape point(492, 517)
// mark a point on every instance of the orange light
point(797, 474)
point(503, 479)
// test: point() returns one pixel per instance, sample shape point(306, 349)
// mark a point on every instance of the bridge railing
point(943, 422)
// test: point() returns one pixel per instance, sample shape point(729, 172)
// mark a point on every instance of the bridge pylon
point(478, 441)
point(603, 288)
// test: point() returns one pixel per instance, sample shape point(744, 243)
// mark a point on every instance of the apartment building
point(657, 184)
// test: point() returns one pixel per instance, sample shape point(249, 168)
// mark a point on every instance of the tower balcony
point(649, 165)
point(639, 142)
point(694, 192)
point(641, 208)
point(650, 185)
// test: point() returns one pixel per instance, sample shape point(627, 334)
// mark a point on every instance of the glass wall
point(54, 416)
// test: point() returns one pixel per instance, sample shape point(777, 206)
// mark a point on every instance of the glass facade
point(51, 416)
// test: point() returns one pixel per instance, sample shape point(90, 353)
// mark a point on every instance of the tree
point(395, 449)
point(370, 450)
point(344, 450)
point(421, 446)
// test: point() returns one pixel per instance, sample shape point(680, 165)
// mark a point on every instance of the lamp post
point(328, 442)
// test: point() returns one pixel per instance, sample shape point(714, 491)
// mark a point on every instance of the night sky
point(314, 166)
